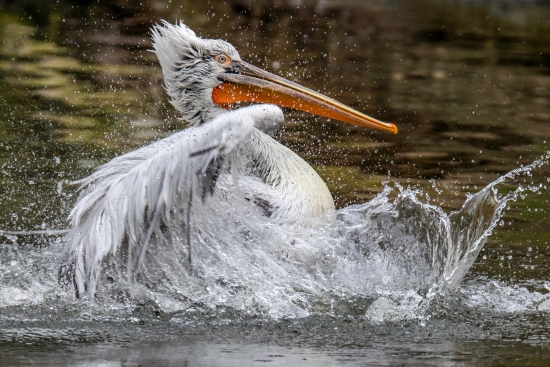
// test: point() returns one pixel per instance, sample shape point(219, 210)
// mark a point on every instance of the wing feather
point(121, 198)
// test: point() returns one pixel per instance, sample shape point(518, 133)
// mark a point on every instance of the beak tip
point(391, 128)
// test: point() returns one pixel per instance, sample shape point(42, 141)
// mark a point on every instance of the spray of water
point(387, 259)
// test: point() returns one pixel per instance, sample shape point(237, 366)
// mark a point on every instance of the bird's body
point(130, 201)
point(290, 190)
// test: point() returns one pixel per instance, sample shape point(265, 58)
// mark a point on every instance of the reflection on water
point(238, 355)
point(467, 85)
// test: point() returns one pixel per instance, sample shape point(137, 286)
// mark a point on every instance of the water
point(470, 94)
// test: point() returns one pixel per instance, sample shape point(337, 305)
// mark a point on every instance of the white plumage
point(133, 193)
point(189, 72)
point(129, 199)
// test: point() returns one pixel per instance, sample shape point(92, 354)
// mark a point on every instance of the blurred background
point(466, 82)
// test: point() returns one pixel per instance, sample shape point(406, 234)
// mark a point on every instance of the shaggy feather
point(123, 196)
point(189, 70)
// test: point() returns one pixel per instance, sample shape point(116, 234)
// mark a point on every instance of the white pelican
point(129, 199)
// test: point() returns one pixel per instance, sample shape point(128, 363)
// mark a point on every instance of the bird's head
point(204, 76)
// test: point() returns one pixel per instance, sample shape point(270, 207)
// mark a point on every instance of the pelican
point(125, 202)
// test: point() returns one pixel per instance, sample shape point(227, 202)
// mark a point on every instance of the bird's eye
point(222, 59)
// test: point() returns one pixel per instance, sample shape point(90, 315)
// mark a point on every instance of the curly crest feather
point(189, 70)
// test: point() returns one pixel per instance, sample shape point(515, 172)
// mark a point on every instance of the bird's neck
point(196, 106)
point(303, 195)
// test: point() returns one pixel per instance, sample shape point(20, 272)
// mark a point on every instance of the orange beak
point(246, 83)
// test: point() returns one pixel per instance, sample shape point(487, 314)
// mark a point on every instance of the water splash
point(387, 259)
